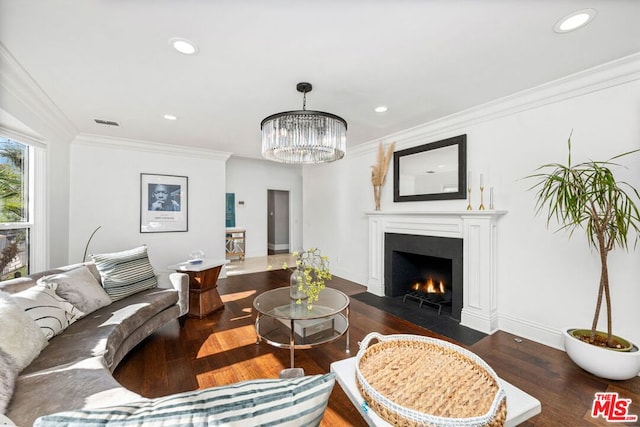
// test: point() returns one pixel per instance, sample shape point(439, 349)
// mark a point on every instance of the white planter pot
point(610, 364)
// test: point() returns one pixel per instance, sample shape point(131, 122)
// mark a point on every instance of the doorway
point(277, 222)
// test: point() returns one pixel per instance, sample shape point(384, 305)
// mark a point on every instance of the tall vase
point(376, 195)
point(296, 291)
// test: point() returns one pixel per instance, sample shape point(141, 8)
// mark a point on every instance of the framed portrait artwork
point(163, 203)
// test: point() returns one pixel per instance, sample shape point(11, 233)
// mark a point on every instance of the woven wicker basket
point(410, 380)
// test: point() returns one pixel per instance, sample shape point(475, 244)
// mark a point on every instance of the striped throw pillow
point(276, 402)
point(52, 313)
point(125, 273)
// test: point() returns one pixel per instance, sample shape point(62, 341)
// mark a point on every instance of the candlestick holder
point(469, 205)
point(481, 207)
point(491, 198)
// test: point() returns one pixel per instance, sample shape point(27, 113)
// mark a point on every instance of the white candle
point(481, 180)
point(469, 180)
point(491, 198)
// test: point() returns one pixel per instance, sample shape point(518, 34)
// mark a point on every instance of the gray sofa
point(70, 382)
point(75, 369)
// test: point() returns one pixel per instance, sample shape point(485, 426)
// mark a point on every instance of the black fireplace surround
point(400, 264)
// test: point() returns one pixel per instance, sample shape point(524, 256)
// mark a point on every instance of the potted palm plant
point(587, 197)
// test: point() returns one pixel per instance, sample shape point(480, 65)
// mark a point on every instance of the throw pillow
point(5, 421)
point(52, 313)
point(125, 273)
point(8, 372)
point(20, 336)
point(290, 402)
point(80, 288)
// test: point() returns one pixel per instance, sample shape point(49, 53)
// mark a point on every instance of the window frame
point(35, 163)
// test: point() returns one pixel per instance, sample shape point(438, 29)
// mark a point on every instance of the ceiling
point(111, 60)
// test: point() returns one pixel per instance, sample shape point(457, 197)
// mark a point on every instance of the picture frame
point(164, 203)
point(433, 171)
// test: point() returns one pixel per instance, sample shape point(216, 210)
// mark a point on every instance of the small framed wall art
point(163, 203)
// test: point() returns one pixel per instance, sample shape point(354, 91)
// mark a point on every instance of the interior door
point(277, 222)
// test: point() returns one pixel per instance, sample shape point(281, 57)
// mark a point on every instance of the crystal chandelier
point(304, 136)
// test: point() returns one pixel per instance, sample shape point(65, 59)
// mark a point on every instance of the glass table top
point(277, 303)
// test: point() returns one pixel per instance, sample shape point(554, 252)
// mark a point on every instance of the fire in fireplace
point(434, 288)
point(426, 270)
point(430, 291)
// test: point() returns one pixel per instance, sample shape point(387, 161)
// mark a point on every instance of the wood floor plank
point(221, 349)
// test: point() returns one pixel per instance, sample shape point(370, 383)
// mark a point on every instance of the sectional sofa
point(57, 370)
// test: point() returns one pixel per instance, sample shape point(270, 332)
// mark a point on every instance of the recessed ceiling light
point(574, 20)
point(170, 117)
point(183, 46)
point(380, 109)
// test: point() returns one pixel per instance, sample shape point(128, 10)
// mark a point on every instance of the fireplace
point(425, 269)
point(475, 231)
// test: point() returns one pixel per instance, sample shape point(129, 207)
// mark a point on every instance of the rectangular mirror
point(435, 171)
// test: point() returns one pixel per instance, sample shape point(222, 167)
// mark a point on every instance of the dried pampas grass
point(379, 170)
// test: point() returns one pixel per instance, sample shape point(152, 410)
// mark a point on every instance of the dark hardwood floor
point(221, 349)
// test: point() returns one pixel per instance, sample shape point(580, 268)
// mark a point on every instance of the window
point(15, 216)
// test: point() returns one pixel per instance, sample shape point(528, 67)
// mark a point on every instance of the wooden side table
point(203, 286)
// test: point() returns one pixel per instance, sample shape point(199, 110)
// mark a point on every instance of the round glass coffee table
point(283, 323)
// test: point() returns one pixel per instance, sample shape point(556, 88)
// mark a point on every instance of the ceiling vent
point(106, 122)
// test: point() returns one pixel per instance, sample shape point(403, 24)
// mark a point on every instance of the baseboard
point(276, 252)
point(376, 289)
point(479, 321)
point(532, 331)
point(347, 274)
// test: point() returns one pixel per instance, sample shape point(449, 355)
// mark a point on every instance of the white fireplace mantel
point(478, 231)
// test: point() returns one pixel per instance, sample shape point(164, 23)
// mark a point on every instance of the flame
point(431, 287)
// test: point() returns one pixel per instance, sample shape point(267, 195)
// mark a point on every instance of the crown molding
point(604, 76)
point(22, 137)
point(148, 147)
point(17, 86)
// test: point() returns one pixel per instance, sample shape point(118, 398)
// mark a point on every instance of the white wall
point(545, 280)
point(105, 191)
point(250, 179)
